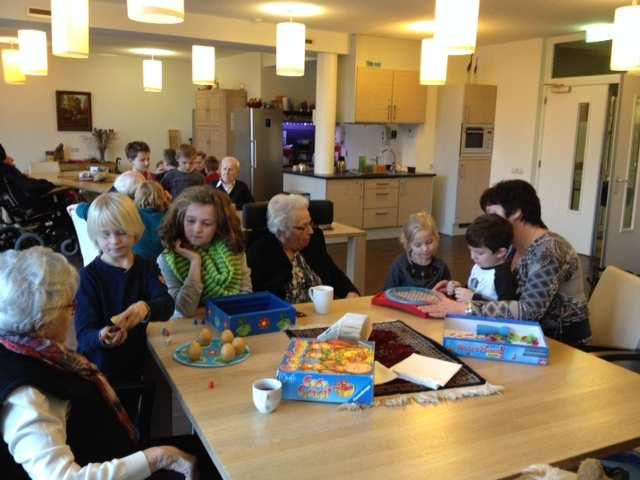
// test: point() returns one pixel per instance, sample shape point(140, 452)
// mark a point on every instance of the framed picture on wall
point(73, 110)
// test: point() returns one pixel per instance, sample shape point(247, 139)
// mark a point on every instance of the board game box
point(334, 371)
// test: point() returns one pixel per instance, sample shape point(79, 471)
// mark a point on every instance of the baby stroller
point(45, 222)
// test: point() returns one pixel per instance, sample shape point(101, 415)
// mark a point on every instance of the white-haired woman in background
point(60, 418)
point(293, 256)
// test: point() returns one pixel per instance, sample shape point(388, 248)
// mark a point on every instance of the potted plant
point(103, 137)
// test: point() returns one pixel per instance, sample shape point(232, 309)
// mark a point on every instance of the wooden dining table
point(578, 406)
point(70, 179)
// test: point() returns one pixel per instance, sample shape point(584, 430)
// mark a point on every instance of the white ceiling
point(500, 20)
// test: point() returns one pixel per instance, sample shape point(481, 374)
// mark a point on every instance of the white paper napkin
point(383, 374)
point(427, 371)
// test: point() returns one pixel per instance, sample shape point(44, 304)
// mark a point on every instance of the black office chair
point(137, 397)
point(254, 217)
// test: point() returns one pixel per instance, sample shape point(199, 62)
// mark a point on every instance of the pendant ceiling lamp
point(203, 65)
point(11, 67)
point(625, 48)
point(156, 11)
point(152, 75)
point(290, 45)
point(433, 63)
point(70, 28)
point(457, 25)
point(33, 52)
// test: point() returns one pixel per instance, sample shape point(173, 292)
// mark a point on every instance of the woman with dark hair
point(203, 256)
point(548, 270)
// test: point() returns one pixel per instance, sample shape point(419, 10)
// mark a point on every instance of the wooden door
point(347, 198)
point(374, 90)
point(212, 140)
point(480, 103)
point(202, 107)
point(409, 97)
point(473, 180)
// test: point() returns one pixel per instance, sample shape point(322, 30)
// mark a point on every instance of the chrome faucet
point(393, 154)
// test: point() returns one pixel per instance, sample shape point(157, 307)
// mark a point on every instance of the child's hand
point(112, 336)
point(441, 286)
point(187, 253)
point(463, 294)
point(452, 285)
point(133, 315)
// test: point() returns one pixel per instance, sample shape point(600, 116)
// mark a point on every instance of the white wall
point(298, 89)
point(28, 112)
point(241, 71)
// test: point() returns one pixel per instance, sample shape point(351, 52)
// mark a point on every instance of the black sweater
point(271, 268)
point(240, 194)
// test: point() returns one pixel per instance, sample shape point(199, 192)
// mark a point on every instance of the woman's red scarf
point(60, 357)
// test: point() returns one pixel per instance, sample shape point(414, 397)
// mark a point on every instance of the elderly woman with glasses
point(292, 256)
point(60, 418)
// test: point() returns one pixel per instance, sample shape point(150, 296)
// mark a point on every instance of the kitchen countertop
point(351, 175)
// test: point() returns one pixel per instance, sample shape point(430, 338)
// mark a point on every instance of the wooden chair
point(614, 314)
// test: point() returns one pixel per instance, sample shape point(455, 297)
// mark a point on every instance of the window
point(581, 59)
point(578, 155)
point(628, 212)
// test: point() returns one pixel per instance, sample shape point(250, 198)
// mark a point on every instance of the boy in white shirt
point(489, 239)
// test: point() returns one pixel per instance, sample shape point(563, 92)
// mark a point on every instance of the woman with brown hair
point(203, 256)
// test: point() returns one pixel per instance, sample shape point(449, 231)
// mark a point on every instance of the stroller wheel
point(8, 237)
point(28, 240)
point(69, 247)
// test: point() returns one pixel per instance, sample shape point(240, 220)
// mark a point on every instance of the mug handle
point(311, 293)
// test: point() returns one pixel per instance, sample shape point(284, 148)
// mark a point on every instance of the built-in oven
point(476, 139)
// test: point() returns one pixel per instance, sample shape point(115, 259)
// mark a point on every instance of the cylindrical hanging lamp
point(156, 11)
point(433, 63)
point(70, 28)
point(11, 67)
point(457, 25)
point(625, 48)
point(33, 52)
point(152, 75)
point(290, 46)
point(203, 65)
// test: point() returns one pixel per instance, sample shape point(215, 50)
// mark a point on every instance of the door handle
point(389, 112)
point(395, 111)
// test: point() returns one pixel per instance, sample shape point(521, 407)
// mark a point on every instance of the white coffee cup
point(267, 393)
point(321, 296)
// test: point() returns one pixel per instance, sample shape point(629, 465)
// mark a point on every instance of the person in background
point(198, 162)
point(119, 292)
point(547, 269)
point(175, 181)
point(139, 155)
point(212, 176)
point(237, 190)
point(152, 205)
point(169, 162)
point(60, 417)
point(203, 256)
point(418, 266)
point(292, 256)
point(126, 183)
point(27, 191)
point(489, 239)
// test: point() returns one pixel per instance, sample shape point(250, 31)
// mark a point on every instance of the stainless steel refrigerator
point(258, 145)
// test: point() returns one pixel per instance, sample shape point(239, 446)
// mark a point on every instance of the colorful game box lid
point(332, 371)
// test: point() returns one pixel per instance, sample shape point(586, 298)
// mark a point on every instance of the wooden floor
point(453, 250)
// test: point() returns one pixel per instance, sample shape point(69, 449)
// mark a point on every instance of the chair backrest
point(614, 310)
point(87, 248)
point(44, 167)
point(254, 215)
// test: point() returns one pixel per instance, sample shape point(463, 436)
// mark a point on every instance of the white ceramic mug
point(321, 296)
point(267, 393)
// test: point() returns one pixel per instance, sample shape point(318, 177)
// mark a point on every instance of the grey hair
point(237, 162)
point(127, 182)
point(35, 286)
point(280, 213)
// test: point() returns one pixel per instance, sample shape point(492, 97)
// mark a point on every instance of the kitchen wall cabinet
point(389, 96)
point(212, 132)
point(479, 103)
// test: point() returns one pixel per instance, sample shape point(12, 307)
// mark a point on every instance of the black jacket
point(271, 268)
point(26, 190)
point(239, 195)
point(93, 430)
